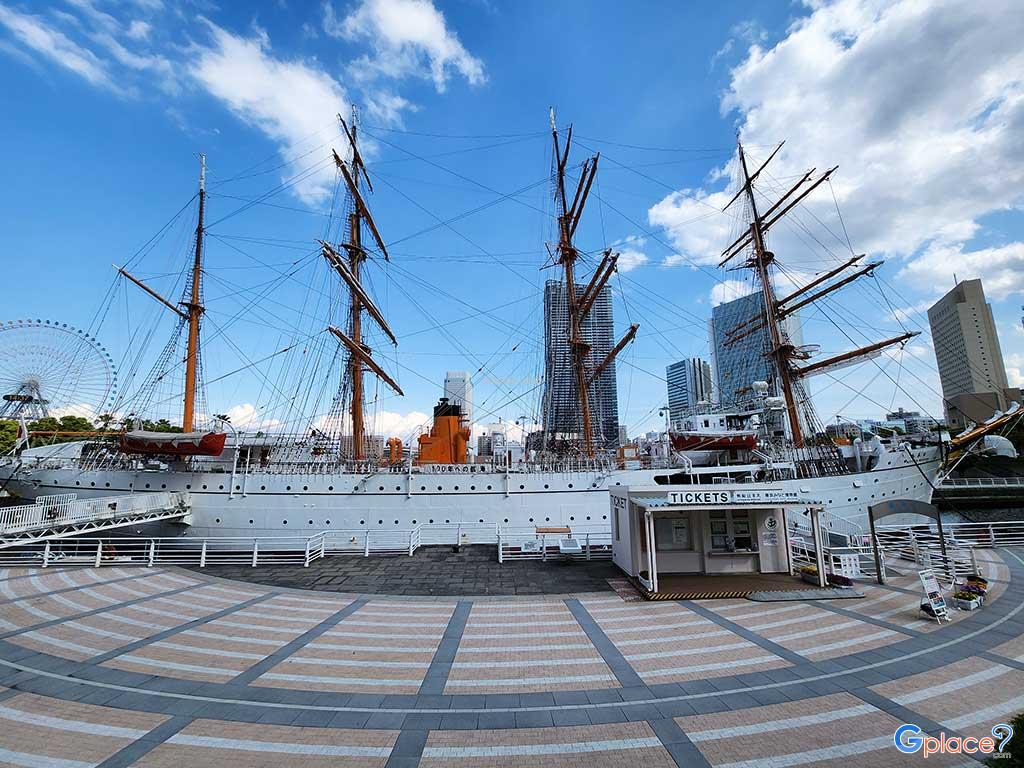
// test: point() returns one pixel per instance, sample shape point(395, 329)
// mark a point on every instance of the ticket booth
point(712, 530)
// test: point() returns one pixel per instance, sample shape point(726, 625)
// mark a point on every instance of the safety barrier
point(525, 543)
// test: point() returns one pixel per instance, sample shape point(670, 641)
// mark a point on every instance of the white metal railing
point(981, 482)
point(1007, 533)
point(525, 543)
point(180, 550)
point(67, 509)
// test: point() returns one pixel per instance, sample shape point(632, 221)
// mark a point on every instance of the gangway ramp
point(64, 515)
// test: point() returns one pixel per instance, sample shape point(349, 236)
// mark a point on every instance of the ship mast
point(360, 359)
point(195, 311)
point(579, 306)
point(782, 352)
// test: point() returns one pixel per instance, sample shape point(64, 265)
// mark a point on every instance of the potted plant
point(977, 581)
point(809, 573)
point(974, 589)
point(966, 601)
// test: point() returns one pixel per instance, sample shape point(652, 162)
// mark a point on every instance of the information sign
point(933, 593)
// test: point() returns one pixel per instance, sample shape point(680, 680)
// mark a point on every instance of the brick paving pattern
point(112, 667)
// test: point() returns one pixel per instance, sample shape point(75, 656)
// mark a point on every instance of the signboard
point(454, 469)
point(933, 592)
point(739, 496)
point(681, 533)
point(769, 538)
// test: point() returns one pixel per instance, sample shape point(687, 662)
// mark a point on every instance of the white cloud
point(38, 35)
point(692, 221)
point(386, 423)
point(289, 100)
point(921, 105)
point(630, 254)
point(246, 416)
point(1000, 268)
point(1014, 369)
point(408, 37)
point(139, 30)
point(728, 290)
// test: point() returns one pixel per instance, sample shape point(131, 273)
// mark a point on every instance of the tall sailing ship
point(326, 478)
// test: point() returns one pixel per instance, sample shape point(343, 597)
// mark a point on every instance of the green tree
point(1013, 752)
point(8, 434)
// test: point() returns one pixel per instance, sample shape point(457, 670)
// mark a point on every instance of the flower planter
point(967, 605)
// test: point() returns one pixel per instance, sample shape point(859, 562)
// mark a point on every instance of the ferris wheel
point(53, 369)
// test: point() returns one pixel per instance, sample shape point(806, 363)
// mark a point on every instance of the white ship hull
point(274, 504)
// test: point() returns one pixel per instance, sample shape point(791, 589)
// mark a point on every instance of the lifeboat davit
point(709, 441)
point(174, 443)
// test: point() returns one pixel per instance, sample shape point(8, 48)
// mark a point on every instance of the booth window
point(731, 531)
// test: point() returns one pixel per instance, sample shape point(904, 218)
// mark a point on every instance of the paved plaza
point(170, 667)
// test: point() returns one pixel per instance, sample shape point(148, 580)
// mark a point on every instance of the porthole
point(593, 485)
point(362, 522)
point(217, 520)
point(488, 487)
point(431, 521)
point(330, 487)
point(147, 485)
point(310, 522)
point(398, 487)
point(447, 521)
point(531, 519)
point(77, 483)
point(328, 522)
point(396, 522)
point(285, 522)
point(588, 517)
point(221, 487)
point(481, 519)
point(521, 487)
point(570, 485)
point(547, 519)
point(287, 487)
point(506, 519)
point(472, 487)
point(546, 485)
point(423, 487)
point(380, 487)
point(571, 517)
point(456, 487)
point(380, 522)
point(250, 522)
point(93, 484)
point(439, 488)
point(263, 487)
point(414, 522)
point(305, 487)
point(164, 485)
point(204, 487)
point(107, 484)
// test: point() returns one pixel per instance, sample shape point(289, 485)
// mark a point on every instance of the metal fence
point(67, 509)
point(525, 543)
point(181, 550)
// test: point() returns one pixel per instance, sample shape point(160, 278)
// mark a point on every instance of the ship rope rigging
point(327, 356)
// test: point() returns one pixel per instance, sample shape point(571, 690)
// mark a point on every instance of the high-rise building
point(689, 382)
point(970, 362)
point(561, 406)
point(736, 366)
point(458, 388)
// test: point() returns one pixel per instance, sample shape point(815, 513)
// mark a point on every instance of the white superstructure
point(230, 499)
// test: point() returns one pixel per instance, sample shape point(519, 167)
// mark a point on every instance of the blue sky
point(107, 102)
